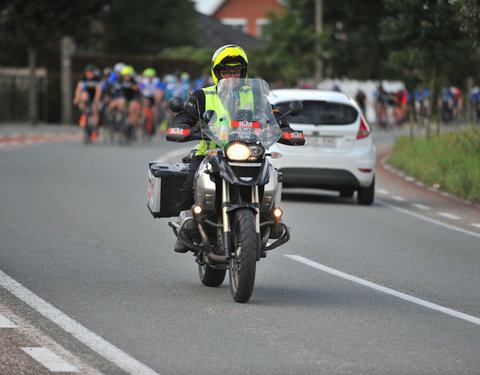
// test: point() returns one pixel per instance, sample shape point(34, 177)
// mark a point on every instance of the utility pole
point(318, 31)
point(66, 80)
point(32, 87)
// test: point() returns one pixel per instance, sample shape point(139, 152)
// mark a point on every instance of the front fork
point(255, 198)
point(226, 218)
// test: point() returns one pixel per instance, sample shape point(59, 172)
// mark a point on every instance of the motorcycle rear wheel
point(212, 277)
point(242, 265)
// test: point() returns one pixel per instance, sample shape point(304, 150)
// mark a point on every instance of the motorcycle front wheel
point(242, 265)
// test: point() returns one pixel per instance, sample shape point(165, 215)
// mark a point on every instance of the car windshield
point(322, 113)
point(243, 113)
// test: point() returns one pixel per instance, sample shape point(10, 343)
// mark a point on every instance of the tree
point(146, 26)
point(469, 18)
point(350, 41)
point(426, 43)
point(353, 44)
point(34, 24)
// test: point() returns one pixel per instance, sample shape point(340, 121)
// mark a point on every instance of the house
point(248, 16)
point(215, 34)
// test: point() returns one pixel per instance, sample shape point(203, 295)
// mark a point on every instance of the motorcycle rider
point(229, 61)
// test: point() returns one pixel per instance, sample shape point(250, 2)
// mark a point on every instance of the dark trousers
point(187, 189)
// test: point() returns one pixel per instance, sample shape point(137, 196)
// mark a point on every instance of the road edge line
point(380, 288)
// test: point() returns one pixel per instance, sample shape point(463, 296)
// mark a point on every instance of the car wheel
point(365, 195)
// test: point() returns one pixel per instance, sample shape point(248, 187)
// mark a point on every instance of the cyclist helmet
point(127, 70)
point(118, 67)
point(149, 72)
point(91, 68)
point(229, 56)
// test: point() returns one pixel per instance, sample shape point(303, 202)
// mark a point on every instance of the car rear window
point(321, 113)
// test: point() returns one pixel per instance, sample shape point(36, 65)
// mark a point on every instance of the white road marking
point(476, 225)
point(399, 198)
point(410, 178)
point(420, 206)
point(380, 288)
point(449, 216)
point(82, 334)
point(383, 191)
point(5, 323)
point(418, 216)
point(49, 359)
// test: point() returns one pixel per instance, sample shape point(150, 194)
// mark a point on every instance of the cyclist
point(381, 106)
point(127, 99)
point(87, 97)
point(152, 94)
point(105, 96)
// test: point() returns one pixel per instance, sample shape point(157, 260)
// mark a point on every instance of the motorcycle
point(236, 218)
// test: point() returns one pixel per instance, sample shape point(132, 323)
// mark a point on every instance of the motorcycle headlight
point(238, 151)
point(256, 152)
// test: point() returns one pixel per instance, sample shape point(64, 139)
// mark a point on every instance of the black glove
point(179, 133)
point(292, 137)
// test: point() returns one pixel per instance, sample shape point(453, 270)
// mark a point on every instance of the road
point(87, 273)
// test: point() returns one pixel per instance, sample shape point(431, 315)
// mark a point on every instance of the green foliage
point(289, 44)
point(451, 160)
point(202, 56)
point(353, 47)
point(36, 23)
point(425, 41)
point(145, 26)
point(350, 41)
point(469, 18)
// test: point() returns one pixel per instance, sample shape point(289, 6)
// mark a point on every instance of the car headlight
point(238, 151)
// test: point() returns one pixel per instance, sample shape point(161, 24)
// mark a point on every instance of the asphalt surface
point(386, 289)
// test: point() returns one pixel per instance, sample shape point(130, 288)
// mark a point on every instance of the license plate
point(329, 142)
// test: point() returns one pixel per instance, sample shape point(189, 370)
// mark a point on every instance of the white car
point(338, 153)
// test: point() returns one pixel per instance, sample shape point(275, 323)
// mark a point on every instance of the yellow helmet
point(127, 70)
point(229, 56)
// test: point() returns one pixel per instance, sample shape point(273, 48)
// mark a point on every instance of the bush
point(451, 160)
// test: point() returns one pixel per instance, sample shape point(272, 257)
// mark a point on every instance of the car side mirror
point(176, 104)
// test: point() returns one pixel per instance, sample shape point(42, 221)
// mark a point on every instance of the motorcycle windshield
point(242, 113)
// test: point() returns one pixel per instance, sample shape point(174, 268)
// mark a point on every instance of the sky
point(206, 6)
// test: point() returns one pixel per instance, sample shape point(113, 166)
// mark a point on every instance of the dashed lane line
point(49, 359)
point(421, 206)
point(5, 323)
point(69, 325)
point(449, 216)
point(425, 218)
point(380, 288)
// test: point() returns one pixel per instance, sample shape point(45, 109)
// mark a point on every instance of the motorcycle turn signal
point(277, 212)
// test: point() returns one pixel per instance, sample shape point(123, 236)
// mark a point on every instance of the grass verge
point(450, 160)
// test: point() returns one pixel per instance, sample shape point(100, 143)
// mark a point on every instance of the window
point(321, 113)
point(261, 23)
point(240, 24)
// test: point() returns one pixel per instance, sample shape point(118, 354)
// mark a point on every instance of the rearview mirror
point(296, 108)
point(176, 104)
point(208, 115)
